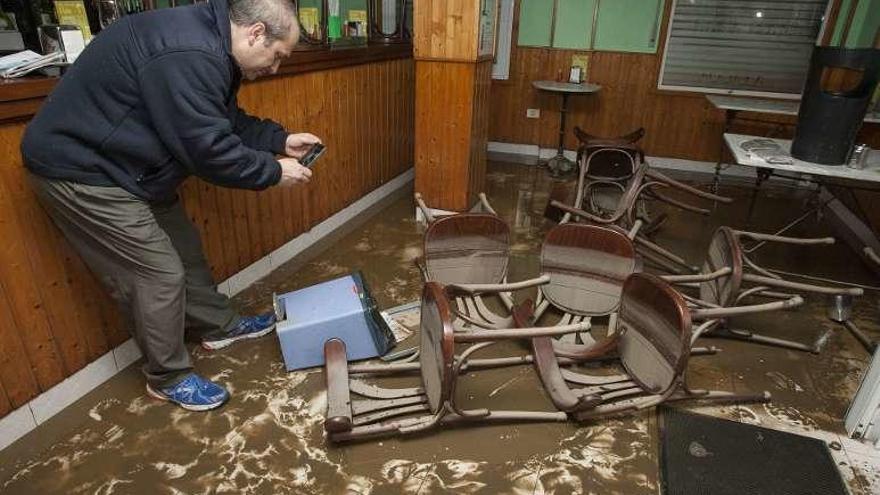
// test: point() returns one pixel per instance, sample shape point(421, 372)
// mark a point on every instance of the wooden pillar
point(453, 48)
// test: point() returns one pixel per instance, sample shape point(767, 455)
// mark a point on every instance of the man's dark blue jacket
point(150, 101)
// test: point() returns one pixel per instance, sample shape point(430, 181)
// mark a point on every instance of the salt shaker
point(858, 158)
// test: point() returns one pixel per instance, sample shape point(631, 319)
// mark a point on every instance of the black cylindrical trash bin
point(828, 121)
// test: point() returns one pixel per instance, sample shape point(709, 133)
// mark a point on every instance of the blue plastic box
point(341, 308)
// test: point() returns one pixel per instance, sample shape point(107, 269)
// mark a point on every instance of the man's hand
point(298, 144)
point(293, 173)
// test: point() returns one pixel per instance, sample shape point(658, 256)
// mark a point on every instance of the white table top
point(871, 172)
point(566, 87)
point(763, 105)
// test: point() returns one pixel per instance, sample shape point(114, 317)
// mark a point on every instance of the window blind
point(741, 46)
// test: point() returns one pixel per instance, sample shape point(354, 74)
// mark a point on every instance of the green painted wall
point(865, 22)
point(629, 25)
point(535, 22)
point(621, 25)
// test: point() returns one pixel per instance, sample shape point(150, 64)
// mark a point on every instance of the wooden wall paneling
point(5, 405)
point(91, 317)
point(293, 121)
point(348, 136)
point(480, 130)
point(79, 337)
point(446, 29)
point(23, 307)
point(53, 278)
point(336, 186)
point(356, 101)
point(386, 105)
point(332, 183)
point(19, 377)
point(319, 191)
point(444, 109)
point(211, 230)
point(371, 148)
point(246, 254)
point(227, 231)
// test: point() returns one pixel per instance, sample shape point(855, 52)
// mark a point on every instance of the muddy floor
point(269, 438)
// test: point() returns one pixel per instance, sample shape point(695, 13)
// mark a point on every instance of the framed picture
point(73, 13)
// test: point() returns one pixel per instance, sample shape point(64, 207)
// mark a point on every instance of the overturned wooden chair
point(729, 276)
point(430, 402)
point(653, 340)
point(582, 272)
point(613, 186)
point(468, 248)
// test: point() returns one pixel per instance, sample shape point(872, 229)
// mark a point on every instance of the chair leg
point(339, 412)
point(377, 416)
point(745, 335)
point(870, 345)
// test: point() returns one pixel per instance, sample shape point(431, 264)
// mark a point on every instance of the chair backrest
point(587, 139)
point(656, 330)
point(724, 251)
point(587, 266)
point(436, 346)
point(612, 163)
point(467, 248)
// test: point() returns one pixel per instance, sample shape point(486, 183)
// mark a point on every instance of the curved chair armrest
point(562, 396)
point(724, 312)
point(634, 230)
point(684, 187)
point(871, 255)
point(419, 261)
point(338, 396)
point(520, 333)
point(703, 328)
point(674, 202)
point(508, 287)
point(698, 277)
point(583, 214)
point(484, 201)
point(429, 217)
point(820, 289)
point(788, 240)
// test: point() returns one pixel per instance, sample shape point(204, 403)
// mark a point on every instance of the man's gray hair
point(279, 16)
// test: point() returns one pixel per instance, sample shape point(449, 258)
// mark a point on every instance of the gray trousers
point(150, 259)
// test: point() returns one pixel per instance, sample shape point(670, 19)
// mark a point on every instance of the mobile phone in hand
point(314, 152)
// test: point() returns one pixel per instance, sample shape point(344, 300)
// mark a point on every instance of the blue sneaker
point(193, 393)
point(250, 327)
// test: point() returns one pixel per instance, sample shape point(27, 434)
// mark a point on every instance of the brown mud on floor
point(269, 437)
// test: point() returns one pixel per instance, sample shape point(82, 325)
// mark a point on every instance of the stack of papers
point(19, 64)
point(768, 150)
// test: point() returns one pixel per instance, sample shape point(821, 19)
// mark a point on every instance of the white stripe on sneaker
point(213, 345)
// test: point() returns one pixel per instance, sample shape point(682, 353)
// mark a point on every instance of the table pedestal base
point(560, 165)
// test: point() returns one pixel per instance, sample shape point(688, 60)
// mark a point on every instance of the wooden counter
point(20, 98)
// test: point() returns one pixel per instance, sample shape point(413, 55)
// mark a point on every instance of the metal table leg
point(559, 164)
point(729, 116)
point(763, 175)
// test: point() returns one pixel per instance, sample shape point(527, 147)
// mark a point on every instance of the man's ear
point(255, 31)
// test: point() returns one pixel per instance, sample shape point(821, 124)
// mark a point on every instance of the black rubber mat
point(702, 455)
